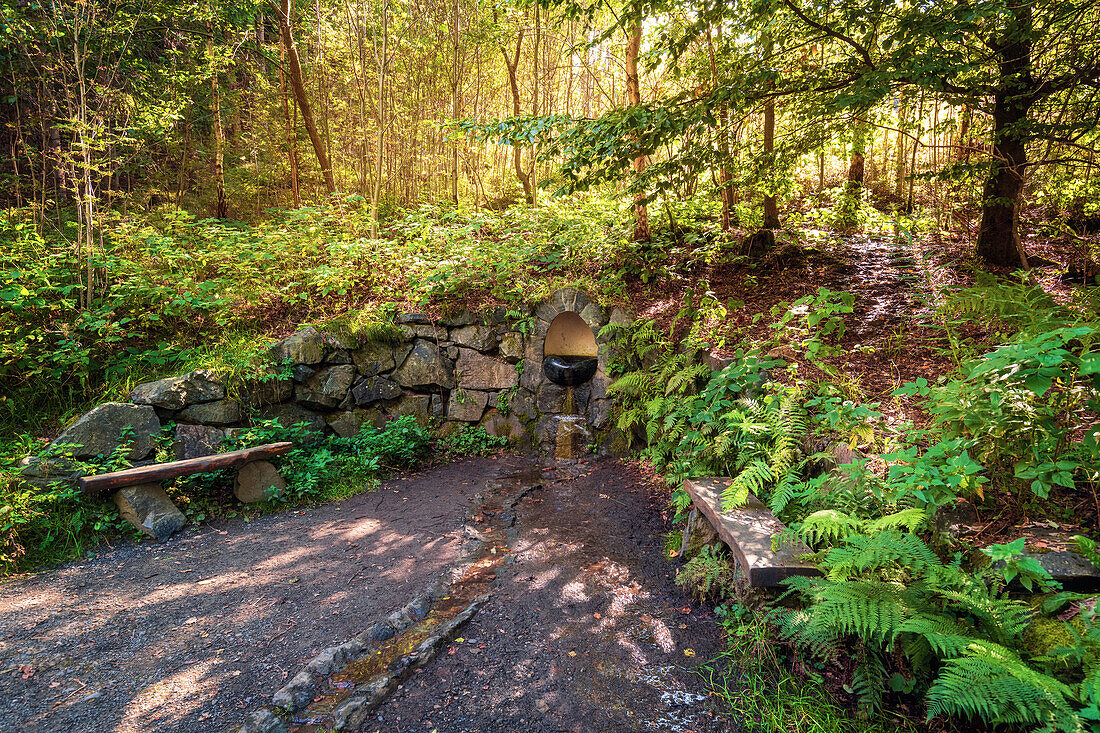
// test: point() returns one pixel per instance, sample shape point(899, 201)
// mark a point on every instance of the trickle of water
point(572, 437)
point(570, 406)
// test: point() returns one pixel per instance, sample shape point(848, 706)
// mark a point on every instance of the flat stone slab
point(748, 531)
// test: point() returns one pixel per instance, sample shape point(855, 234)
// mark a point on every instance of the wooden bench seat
point(172, 469)
point(748, 531)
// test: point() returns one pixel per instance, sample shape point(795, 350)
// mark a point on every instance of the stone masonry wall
point(470, 369)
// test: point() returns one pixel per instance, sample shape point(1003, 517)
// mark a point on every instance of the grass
point(753, 684)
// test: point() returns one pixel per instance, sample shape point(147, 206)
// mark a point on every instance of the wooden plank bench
point(748, 531)
point(173, 469)
point(144, 504)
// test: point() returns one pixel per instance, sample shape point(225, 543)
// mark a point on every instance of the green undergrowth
point(43, 526)
point(168, 290)
point(905, 615)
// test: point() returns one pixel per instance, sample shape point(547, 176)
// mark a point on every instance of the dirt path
point(585, 630)
point(189, 635)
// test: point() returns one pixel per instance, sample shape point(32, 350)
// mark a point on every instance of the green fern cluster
point(948, 633)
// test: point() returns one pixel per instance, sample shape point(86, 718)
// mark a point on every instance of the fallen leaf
point(572, 654)
point(597, 615)
point(689, 652)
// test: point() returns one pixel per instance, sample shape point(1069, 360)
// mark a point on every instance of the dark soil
point(192, 634)
point(585, 631)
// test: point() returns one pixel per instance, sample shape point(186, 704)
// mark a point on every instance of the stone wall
point(470, 369)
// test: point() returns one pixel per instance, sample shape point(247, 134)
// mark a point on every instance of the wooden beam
point(162, 471)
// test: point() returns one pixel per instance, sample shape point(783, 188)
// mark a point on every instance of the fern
point(708, 575)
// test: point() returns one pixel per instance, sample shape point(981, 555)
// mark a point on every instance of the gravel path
point(189, 635)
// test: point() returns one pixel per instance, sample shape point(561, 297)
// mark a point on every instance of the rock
point(432, 333)
point(521, 404)
point(593, 315)
point(555, 399)
point(477, 371)
point(175, 393)
point(97, 431)
point(465, 317)
point(258, 481)
point(340, 356)
point(222, 412)
point(305, 347)
point(566, 299)
point(425, 367)
point(531, 375)
point(349, 423)
point(701, 534)
point(375, 389)
point(291, 414)
point(148, 508)
point(263, 721)
point(327, 388)
point(419, 406)
point(435, 403)
point(377, 358)
point(620, 317)
point(301, 373)
point(480, 338)
point(507, 426)
point(467, 405)
point(599, 414)
point(271, 392)
point(412, 319)
point(195, 441)
point(715, 363)
point(511, 346)
point(599, 384)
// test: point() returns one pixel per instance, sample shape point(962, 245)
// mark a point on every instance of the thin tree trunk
point(634, 97)
point(771, 202)
point(383, 61)
point(220, 211)
point(298, 86)
point(291, 138)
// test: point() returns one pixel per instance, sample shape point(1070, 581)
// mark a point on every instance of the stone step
point(748, 531)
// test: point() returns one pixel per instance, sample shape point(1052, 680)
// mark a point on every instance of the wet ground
point(584, 629)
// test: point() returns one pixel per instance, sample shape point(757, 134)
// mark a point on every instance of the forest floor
point(585, 629)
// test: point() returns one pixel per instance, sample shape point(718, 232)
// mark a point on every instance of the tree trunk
point(221, 209)
point(999, 241)
point(513, 83)
point(771, 203)
point(298, 86)
point(633, 97)
point(291, 143)
point(383, 61)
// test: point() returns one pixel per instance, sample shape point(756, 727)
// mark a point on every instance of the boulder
point(522, 404)
point(419, 406)
point(258, 481)
point(195, 441)
point(556, 399)
point(222, 412)
point(531, 375)
point(97, 431)
point(599, 414)
point(593, 315)
point(511, 346)
point(374, 358)
point(425, 367)
point(291, 414)
point(477, 371)
point(340, 356)
point(349, 423)
point(467, 405)
point(620, 317)
point(308, 346)
point(176, 393)
point(301, 373)
point(432, 333)
point(148, 508)
point(327, 388)
point(480, 338)
point(375, 389)
point(507, 426)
